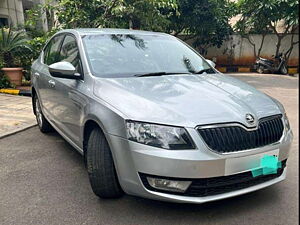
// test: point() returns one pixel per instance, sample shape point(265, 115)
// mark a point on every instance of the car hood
point(185, 100)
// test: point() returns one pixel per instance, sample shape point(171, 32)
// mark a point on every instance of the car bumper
point(133, 158)
point(199, 200)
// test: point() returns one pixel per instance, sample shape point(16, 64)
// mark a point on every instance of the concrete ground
point(43, 181)
point(15, 114)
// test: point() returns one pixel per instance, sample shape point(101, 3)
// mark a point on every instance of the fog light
point(168, 185)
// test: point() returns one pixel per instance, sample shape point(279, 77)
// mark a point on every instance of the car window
point(51, 52)
point(70, 53)
point(127, 55)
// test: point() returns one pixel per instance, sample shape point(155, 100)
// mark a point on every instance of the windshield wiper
point(157, 74)
point(208, 70)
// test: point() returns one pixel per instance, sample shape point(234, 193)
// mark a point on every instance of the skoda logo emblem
point(250, 118)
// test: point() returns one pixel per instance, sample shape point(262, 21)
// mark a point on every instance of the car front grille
point(226, 139)
point(219, 185)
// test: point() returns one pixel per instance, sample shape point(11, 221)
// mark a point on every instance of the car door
point(69, 101)
point(49, 55)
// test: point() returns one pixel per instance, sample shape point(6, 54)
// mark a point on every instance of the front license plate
point(246, 163)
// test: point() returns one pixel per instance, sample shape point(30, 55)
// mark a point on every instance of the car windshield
point(127, 55)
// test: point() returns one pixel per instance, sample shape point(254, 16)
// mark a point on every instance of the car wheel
point(260, 69)
point(100, 166)
point(43, 124)
point(283, 70)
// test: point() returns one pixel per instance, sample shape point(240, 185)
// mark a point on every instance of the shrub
point(13, 47)
point(4, 81)
point(36, 44)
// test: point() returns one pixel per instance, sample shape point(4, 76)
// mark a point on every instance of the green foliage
point(36, 44)
point(37, 13)
point(32, 17)
point(13, 47)
point(37, 36)
point(206, 21)
point(263, 16)
point(149, 15)
point(4, 81)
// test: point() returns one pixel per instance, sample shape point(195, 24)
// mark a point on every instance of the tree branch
point(287, 29)
point(289, 51)
point(178, 32)
point(252, 43)
point(188, 37)
point(273, 28)
point(261, 44)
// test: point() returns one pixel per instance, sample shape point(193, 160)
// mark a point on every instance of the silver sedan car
point(153, 118)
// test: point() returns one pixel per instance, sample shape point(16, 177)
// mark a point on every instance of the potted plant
point(13, 46)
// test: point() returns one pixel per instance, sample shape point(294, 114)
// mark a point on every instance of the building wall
point(12, 10)
point(238, 50)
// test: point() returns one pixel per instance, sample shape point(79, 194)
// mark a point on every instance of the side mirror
point(63, 70)
point(211, 63)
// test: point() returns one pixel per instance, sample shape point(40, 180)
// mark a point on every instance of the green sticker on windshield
point(269, 164)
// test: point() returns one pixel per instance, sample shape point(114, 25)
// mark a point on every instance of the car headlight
point(161, 136)
point(286, 122)
point(285, 118)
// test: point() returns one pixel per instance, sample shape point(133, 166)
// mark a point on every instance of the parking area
point(15, 114)
point(43, 181)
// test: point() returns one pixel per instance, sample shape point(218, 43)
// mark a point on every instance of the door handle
point(51, 83)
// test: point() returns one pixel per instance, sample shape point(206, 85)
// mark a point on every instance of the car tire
point(283, 70)
point(42, 122)
point(100, 166)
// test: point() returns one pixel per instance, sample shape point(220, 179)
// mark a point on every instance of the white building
point(12, 12)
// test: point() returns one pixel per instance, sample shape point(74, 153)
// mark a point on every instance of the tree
point(262, 17)
point(205, 22)
point(114, 13)
point(149, 15)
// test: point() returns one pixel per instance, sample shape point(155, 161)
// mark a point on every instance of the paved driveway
point(15, 114)
point(43, 181)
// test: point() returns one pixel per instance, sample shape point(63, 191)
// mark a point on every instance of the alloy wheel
point(39, 116)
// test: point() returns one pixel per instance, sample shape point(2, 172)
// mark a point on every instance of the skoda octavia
point(153, 118)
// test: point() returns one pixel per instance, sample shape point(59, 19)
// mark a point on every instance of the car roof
point(88, 31)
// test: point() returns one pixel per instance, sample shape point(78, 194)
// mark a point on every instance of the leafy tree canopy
point(264, 15)
point(205, 21)
point(147, 15)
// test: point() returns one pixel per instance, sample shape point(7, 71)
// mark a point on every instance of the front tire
point(260, 69)
point(44, 125)
point(283, 70)
point(100, 166)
